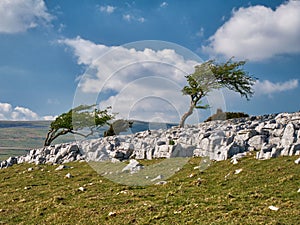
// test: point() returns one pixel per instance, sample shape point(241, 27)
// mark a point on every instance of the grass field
point(46, 196)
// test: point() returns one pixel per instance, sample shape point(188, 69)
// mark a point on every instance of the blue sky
point(57, 52)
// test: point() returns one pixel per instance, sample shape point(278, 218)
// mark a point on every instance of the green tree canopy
point(82, 120)
point(209, 76)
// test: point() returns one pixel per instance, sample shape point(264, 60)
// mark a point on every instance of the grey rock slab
point(257, 141)
point(288, 136)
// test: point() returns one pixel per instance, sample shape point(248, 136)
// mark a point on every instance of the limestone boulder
point(288, 136)
point(257, 141)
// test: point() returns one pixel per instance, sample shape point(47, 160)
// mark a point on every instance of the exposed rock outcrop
point(268, 135)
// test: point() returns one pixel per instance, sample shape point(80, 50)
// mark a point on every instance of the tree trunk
point(47, 140)
point(52, 135)
point(186, 115)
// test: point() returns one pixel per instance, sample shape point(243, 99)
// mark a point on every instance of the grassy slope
point(242, 198)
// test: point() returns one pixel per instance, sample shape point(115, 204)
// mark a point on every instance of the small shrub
point(220, 115)
point(171, 142)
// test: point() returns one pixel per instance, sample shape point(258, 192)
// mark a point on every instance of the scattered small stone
point(191, 175)
point(238, 171)
point(198, 182)
point(133, 167)
point(27, 188)
point(122, 192)
point(297, 161)
point(112, 214)
point(196, 167)
point(177, 212)
point(61, 167)
point(298, 190)
point(159, 177)
point(81, 189)
point(68, 175)
point(274, 208)
point(30, 169)
point(161, 182)
point(234, 161)
point(226, 176)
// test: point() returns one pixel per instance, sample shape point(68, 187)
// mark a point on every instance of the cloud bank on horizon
point(145, 84)
point(18, 113)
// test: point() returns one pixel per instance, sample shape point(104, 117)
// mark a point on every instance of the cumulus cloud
point(5, 107)
point(7, 112)
point(127, 17)
point(85, 50)
point(163, 4)
point(48, 117)
point(267, 87)
point(107, 9)
point(130, 18)
point(138, 81)
point(21, 15)
point(258, 32)
point(21, 113)
point(141, 19)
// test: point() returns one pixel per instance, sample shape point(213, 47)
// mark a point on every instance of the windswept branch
point(78, 119)
point(209, 76)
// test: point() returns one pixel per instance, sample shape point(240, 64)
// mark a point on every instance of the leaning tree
point(210, 76)
point(82, 120)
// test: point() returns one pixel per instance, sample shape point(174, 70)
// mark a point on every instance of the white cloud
point(267, 87)
point(127, 17)
point(48, 117)
point(7, 112)
point(138, 82)
point(85, 50)
point(21, 15)
point(200, 33)
point(5, 107)
point(108, 9)
point(258, 32)
point(141, 19)
point(163, 4)
point(130, 18)
point(21, 113)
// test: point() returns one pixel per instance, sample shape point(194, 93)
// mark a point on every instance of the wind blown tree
point(82, 120)
point(210, 76)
